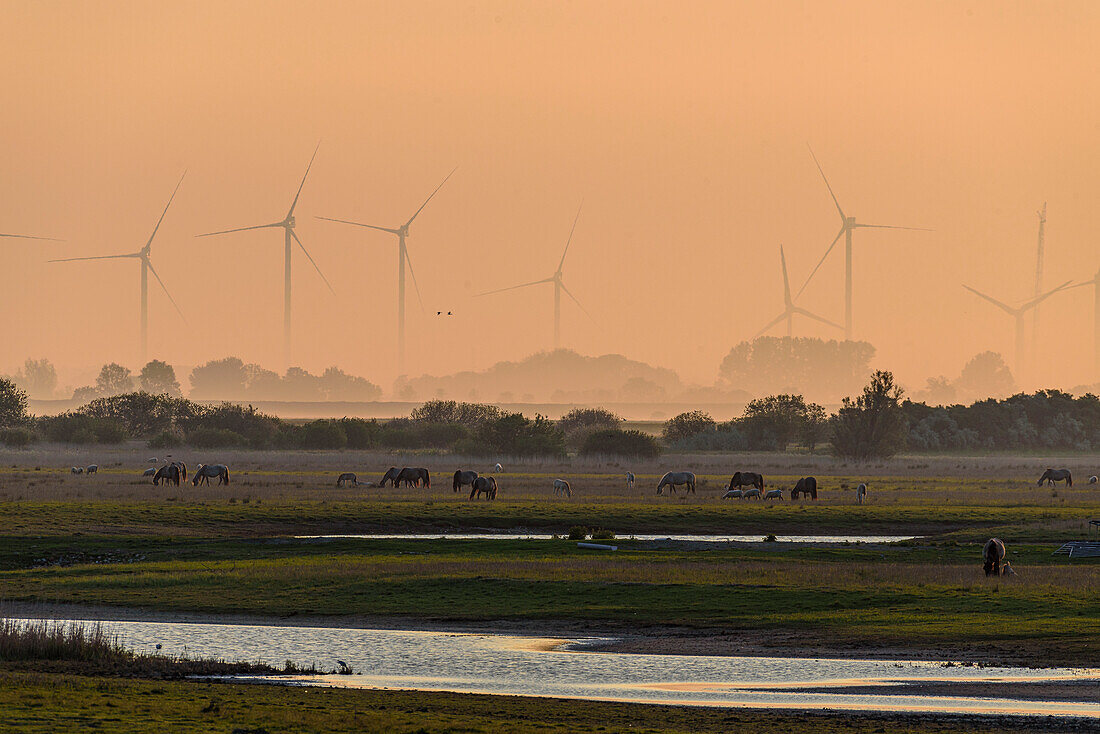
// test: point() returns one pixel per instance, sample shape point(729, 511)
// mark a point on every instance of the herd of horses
point(174, 472)
point(805, 487)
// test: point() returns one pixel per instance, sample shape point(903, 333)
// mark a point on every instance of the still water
point(545, 536)
point(575, 668)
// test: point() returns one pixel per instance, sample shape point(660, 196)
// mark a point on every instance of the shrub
point(215, 438)
point(874, 424)
point(616, 442)
point(17, 437)
point(603, 535)
point(13, 403)
point(450, 411)
point(726, 438)
point(322, 434)
point(687, 425)
point(578, 532)
point(166, 440)
point(82, 429)
point(362, 434)
point(514, 435)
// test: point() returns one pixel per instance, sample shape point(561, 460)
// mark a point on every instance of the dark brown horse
point(746, 479)
point(807, 487)
point(993, 555)
point(169, 474)
point(390, 476)
point(1056, 475)
point(413, 476)
point(488, 485)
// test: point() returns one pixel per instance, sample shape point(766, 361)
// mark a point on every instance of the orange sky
point(682, 125)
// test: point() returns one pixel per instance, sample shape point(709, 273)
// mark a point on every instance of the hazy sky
point(683, 126)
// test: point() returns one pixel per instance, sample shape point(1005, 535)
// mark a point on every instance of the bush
point(873, 425)
point(449, 411)
point(322, 434)
point(215, 438)
point(17, 437)
point(362, 434)
point(687, 425)
point(616, 442)
point(82, 429)
point(578, 532)
point(514, 435)
point(603, 535)
point(13, 403)
point(166, 440)
point(726, 438)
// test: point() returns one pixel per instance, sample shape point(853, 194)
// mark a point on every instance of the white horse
point(734, 494)
point(561, 487)
point(498, 468)
point(1092, 479)
point(750, 494)
point(92, 469)
point(674, 479)
point(773, 494)
point(77, 470)
point(861, 492)
point(630, 480)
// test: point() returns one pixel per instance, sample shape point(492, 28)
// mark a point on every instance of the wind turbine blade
point(165, 289)
point(894, 226)
point(173, 196)
point(437, 188)
point(570, 240)
point(771, 323)
point(315, 266)
point(1039, 299)
point(815, 317)
point(31, 237)
point(360, 224)
point(299, 192)
point(577, 302)
point(1004, 307)
point(98, 257)
point(240, 229)
point(786, 281)
point(513, 287)
point(822, 260)
point(823, 178)
point(416, 287)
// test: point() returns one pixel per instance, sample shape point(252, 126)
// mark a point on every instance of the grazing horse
point(347, 477)
point(774, 494)
point(77, 470)
point(488, 485)
point(993, 554)
point(1056, 475)
point(674, 479)
point(390, 476)
point(751, 494)
point(630, 480)
point(205, 471)
point(169, 474)
point(149, 472)
point(412, 477)
point(561, 487)
point(746, 479)
point(498, 468)
point(464, 478)
point(1092, 479)
point(861, 492)
point(806, 486)
point(734, 494)
point(92, 469)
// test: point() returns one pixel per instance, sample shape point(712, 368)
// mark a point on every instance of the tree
point(687, 425)
point(114, 379)
point(873, 425)
point(986, 375)
point(815, 426)
point(450, 411)
point(937, 391)
point(823, 370)
point(38, 377)
point(13, 404)
point(159, 378)
point(219, 378)
point(616, 442)
point(338, 385)
point(774, 421)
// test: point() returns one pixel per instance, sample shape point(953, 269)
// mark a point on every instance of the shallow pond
point(547, 536)
point(533, 666)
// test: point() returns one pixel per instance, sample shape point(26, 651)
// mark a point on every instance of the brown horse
point(488, 485)
point(993, 555)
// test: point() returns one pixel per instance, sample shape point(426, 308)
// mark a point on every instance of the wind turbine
point(146, 268)
point(1038, 275)
point(847, 226)
point(559, 286)
point(1018, 313)
point(789, 309)
point(402, 233)
point(1095, 283)
point(287, 225)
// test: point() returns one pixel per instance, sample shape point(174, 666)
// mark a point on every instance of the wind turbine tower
point(847, 226)
point(1038, 276)
point(789, 309)
point(559, 286)
point(1095, 283)
point(146, 268)
point(287, 225)
point(402, 232)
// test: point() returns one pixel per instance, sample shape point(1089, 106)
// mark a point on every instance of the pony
point(734, 494)
point(561, 487)
point(992, 555)
point(861, 492)
point(390, 476)
point(412, 477)
point(77, 470)
point(1056, 475)
point(774, 494)
point(751, 494)
point(182, 467)
point(169, 474)
point(806, 486)
point(347, 477)
point(630, 480)
point(464, 478)
point(92, 469)
point(206, 471)
point(673, 479)
point(746, 479)
point(488, 485)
